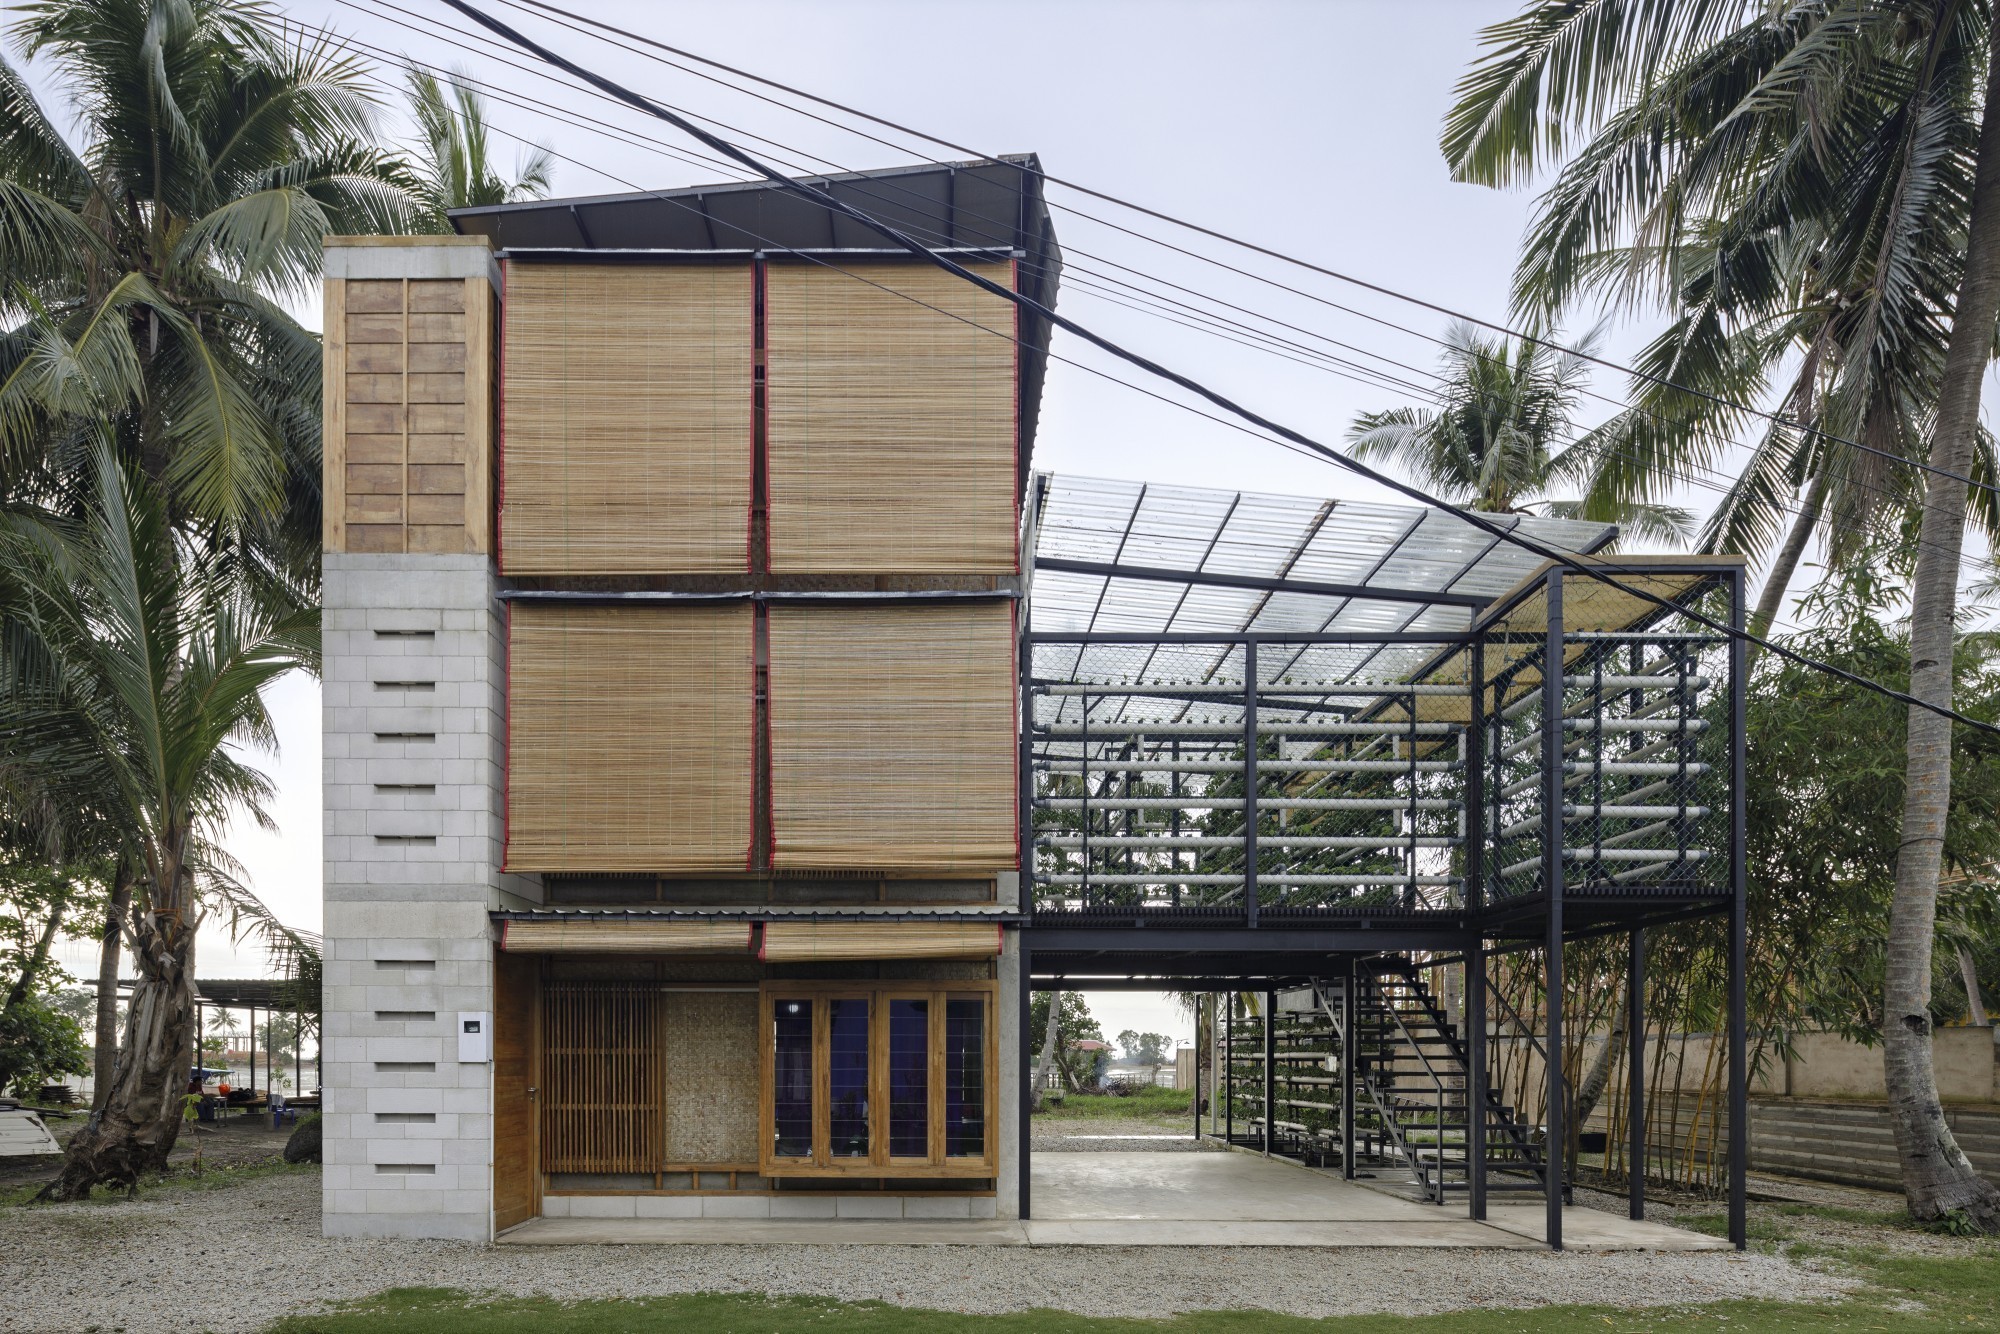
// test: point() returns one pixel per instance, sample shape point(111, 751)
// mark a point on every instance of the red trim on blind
point(507, 736)
point(499, 423)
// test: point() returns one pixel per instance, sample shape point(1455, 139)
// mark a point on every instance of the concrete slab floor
point(1156, 1199)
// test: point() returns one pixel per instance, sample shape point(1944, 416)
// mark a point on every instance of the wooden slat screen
point(626, 422)
point(603, 1081)
point(618, 935)
point(892, 737)
point(791, 942)
point(891, 425)
point(629, 738)
point(408, 386)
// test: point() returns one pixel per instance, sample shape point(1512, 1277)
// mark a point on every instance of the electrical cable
point(1596, 572)
point(1691, 474)
point(1214, 234)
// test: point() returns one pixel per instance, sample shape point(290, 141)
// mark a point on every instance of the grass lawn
point(1905, 1295)
point(179, 1177)
point(1147, 1104)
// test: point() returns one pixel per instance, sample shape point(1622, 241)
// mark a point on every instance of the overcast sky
point(1308, 127)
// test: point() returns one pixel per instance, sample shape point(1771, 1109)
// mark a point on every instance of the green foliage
point(1074, 1024)
point(1500, 436)
point(1146, 1048)
point(1825, 798)
point(453, 165)
point(39, 1044)
point(1147, 1102)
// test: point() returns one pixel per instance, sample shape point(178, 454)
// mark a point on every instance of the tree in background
point(1070, 1022)
point(1503, 434)
point(453, 162)
point(131, 671)
point(1811, 190)
point(1151, 1050)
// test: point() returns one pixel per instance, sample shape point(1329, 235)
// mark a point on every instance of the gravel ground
point(131, 1265)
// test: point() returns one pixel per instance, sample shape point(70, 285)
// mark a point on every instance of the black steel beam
point(1222, 939)
point(1163, 575)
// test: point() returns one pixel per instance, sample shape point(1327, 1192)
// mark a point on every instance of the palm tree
point(132, 667)
point(142, 269)
point(1801, 187)
point(453, 166)
point(1503, 432)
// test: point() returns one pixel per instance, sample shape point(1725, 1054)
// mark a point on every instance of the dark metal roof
point(993, 204)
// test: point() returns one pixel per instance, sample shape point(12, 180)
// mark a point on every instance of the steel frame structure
point(1314, 800)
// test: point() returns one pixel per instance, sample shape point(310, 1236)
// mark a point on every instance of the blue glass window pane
point(965, 1078)
point(909, 1078)
point(847, 1056)
point(792, 1078)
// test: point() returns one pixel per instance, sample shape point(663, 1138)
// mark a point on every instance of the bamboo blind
point(628, 738)
point(618, 935)
point(626, 447)
point(603, 1083)
point(892, 737)
point(792, 942)
point(891, 425)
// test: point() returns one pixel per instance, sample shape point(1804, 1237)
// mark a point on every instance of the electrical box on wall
point(475, 1035)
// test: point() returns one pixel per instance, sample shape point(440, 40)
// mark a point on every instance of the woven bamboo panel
point(712, 1076)
point(892, 737)
point(792, 942)
point(628, 738)
point(891, 425)
point(627, 419)
point(601, 1094)
point(620, 935)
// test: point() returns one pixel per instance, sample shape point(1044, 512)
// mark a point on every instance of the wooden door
point(517, 1177)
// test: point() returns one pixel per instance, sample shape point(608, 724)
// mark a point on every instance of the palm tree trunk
point(1596, 1079)
point(1937, 1178)
point(107, 985)
point(38, 957)
point(1771, 597)
point(1051, 1039)
point(139, 1113)
point(1975, 1004)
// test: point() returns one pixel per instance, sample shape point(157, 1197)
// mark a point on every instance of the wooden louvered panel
point(627, 419)
point(891, 425)
point(892, 737)
point(603, 1080)
point(620, 935)
point(628, 738)
point(408, 388)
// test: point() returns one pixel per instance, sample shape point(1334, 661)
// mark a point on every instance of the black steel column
point(1270, 1072)
point(1475, 1075)
point(1024, 794)
point(1250, 783)
point(1739, 1075)
point(1348, 1011)
point(1229, 1074)
point(1025, 971)
point(1556, 1149)
point(1472, 831)
point(1635, 1079)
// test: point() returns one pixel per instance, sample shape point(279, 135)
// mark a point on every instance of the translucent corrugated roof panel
point(1401, 550)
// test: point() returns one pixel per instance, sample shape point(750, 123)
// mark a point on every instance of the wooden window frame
point(878, 1163)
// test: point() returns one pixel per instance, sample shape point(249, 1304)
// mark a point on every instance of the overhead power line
point(919, 250)
point(1151, 303)
point(1777, 418)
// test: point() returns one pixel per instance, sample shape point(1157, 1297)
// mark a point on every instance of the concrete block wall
point(415, 729)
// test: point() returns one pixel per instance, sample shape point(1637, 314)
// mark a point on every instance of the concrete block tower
point(415, 733)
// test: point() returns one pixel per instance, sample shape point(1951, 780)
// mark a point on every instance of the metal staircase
point(1410, 1077)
